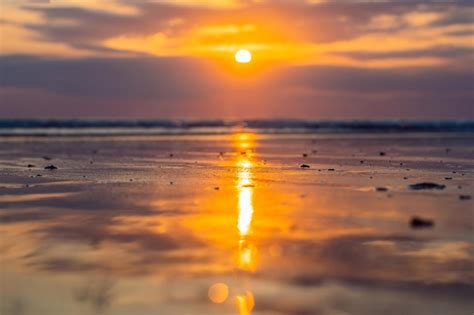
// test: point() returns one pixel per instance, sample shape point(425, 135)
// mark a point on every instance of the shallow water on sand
point(231, 224)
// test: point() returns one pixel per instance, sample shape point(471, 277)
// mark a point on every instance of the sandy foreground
point(232, 224)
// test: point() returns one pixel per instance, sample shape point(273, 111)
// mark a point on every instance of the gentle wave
point(169, 127)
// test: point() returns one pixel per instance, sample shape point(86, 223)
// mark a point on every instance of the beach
point(240, 222)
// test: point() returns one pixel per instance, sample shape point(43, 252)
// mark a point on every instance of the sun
point(243, 56)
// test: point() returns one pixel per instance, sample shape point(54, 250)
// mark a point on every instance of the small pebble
point(417, 223)
point(50, 167)
point(426, 185)
point(305, 166)
point(465, 197)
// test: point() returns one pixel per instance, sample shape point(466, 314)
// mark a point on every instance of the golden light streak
point(245, 188)
point(245, 303)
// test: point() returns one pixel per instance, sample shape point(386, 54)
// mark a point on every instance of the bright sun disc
point(243, 56)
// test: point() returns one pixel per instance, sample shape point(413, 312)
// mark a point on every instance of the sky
point(175, 59)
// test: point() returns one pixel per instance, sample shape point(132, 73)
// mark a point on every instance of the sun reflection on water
point(245, 188)
point(247, 251)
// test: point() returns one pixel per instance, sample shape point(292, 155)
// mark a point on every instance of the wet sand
point(232, 224)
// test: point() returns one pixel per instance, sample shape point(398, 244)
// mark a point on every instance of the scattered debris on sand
point(305, 166)
point(418, 223)
point(50, 167)
point(465, 197)
point(381, 189)
point(426, 185)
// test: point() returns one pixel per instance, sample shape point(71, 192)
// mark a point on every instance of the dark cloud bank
point(178, 87)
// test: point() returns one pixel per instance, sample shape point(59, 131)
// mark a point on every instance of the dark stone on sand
point(331, 169)
point(465, 197)
point(171, 183)
point(426, 185)
point(47, 158)
point(50, 167)
point(305, 155)
point(418, 223)
point(448, 178)
point(171, 155)
point(454, 172)
point(216, 188)
point(305, 166)
point(361, 162)
point(30, 165)
point(405, 177)
point(382, 153)
point(38, 175)
point(381, 189)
